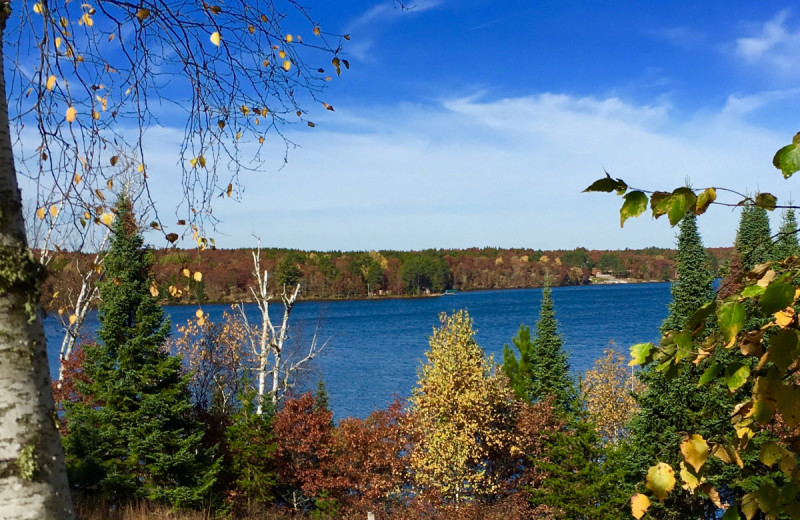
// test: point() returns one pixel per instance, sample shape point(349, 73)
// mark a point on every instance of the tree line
point(226, 274)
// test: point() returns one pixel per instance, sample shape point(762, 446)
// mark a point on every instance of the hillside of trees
point(227, 274)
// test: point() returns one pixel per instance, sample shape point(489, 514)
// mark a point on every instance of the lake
point(374, 347)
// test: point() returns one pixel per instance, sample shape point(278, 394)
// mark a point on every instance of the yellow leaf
point(229, 190)
point(95, 114)
point(266, 63)
point(57, 42)
point(186, 272)
point(37, 8)
point(695, 451)
point(142, 14)
point(215, 38)
point(62, 311)
point(316, 31)
point(639, 505)
point(40, 213)
point(110, 37)
point(198, 276)
point(784, 318)
point(245, 109)
point(55, 294)
point(86, 215)
point(287, 65)
point(202, 161)
point(63, 22)
point(140, 168)
point(77, 178)
point(114, 160)
point(251, 29)
point(110, 184)
point(87, 19)
point(264, 18)
point(239, 134)
point(289, 38)
point(260, 140)
point(281, 54)
point(53, 210)
point(72, 319)
point(661, 479)
point(193, 162)
point(690, 480)
point(107, 218)
point(199, 313)
point(71, 113)
point(154, 290)
point(51, 82)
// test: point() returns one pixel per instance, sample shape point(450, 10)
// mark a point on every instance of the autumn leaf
point(186, 272)
point(51, 82)
point(198, 276)
point(660, 479)
point(71, 114)
point(154, 290)
point(107, 218)
point(215, 38)
point(639, 505)
point(53, 211)
point(695, 451)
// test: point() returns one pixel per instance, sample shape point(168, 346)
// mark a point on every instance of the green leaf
point(777, 296)
point(732, 513)
point(752, 290)
point(750, 505)
point(660, 480)
point(770, 453)
point(736, 375)
point(787, 159)
point(766, 201)
point(701, 315)
point(607, 185)
point(783, 349)
point(640, 353)
point(709, 374)
point(658, 203)
point(634, 205)
point(704, 200)
point(730, 318)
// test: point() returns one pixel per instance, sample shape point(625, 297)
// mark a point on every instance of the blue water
point(375, 347)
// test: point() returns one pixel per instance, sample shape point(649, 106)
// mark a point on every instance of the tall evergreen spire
point(694, 286)
point(753, 240)
point(543, 366)
point(134, 437)
point(786, 244)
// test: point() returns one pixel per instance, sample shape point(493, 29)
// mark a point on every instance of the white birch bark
point(33, 479)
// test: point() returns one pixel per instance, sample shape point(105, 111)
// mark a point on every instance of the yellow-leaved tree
point(463, 415)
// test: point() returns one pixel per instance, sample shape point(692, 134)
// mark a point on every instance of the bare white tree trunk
point(270, 347)
point(33, 478)
point(72, 322)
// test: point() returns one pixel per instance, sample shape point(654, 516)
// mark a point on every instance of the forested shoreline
point(226, 275)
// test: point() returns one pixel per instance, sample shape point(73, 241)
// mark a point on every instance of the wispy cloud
point(773, 44)
point(368, 25)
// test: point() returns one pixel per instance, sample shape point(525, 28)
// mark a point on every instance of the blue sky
point(478, 123)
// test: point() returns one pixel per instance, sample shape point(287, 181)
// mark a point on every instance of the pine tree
point(543, 366)
point(787, 245)
point(136, 437)
point(753, 240)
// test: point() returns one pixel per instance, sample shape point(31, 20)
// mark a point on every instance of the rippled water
point(375, 347)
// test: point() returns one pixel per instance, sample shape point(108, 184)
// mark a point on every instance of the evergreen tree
point(135, 437)
point(670, 407)
point(543, 366)
point(694, 286)
point(787, 245)
point(753, 240)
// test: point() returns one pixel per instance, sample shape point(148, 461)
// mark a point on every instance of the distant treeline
point(227, 274)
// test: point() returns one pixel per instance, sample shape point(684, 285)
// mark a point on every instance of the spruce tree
point(670, 407)
point(787, 245)
point(753, 240)
point(543, 366)
point(134, 436)
point(694, 286)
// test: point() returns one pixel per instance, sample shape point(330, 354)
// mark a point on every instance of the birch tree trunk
point(33, 478)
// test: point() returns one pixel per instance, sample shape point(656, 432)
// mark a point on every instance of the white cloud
point(774, 44)
point(681, 37)
point(475, 172)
